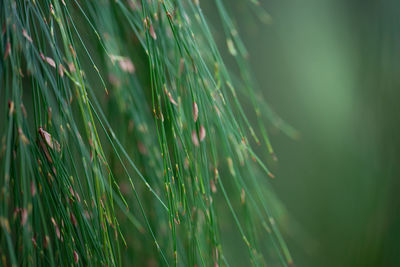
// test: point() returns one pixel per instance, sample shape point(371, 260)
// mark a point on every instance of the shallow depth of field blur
point(330, 68)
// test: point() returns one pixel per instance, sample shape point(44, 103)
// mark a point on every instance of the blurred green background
point(330, 68)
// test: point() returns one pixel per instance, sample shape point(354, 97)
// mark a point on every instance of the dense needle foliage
point(124, 139)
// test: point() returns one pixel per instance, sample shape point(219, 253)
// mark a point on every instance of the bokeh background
point(330, 68)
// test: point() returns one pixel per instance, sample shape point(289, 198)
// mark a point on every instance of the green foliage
point(124, 140)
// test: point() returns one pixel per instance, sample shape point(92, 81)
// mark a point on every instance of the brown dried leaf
point(126, 65)
point(26, 35)
point(195, 111)
point(170, 97)
point(202, 133)
point(195, 139)
point(50, 61)
point(7, 51)
point(76, 257)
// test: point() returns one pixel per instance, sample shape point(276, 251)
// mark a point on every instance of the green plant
point(124, 140)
